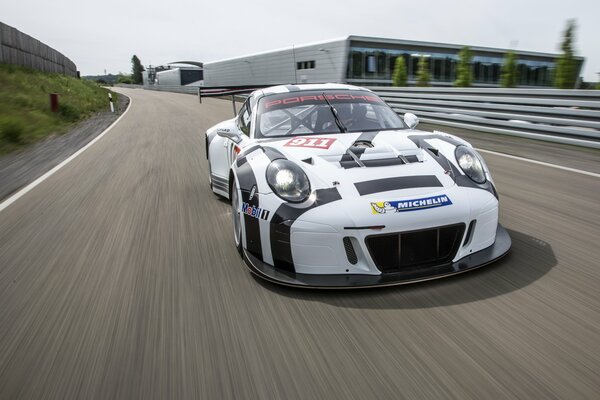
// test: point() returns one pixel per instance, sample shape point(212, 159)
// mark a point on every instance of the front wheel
point(236, 217)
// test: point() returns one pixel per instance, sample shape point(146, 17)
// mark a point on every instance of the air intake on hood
point(363, 144)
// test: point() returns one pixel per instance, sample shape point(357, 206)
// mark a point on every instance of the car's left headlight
point(288, 181)
point(470, 162)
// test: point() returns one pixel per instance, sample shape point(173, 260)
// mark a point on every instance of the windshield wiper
point(335, 116)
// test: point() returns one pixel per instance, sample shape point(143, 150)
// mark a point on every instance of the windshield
point(307, 113)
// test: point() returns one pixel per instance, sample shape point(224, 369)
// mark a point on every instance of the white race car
point(330, 188)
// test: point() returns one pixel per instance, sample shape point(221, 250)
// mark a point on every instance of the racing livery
point(330, 188)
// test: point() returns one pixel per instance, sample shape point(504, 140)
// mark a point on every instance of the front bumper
point(481, 258)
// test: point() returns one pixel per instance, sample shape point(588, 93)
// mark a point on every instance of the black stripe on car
point(282, 221)
point(248, 150)
point(220, 183)
point(368, 136)
point(460, 178)
point(246, 180)
point(273, 153)
point(384, 162)
point(358, 151)
point(270, 152)
point(241, 160)
point(396, 183)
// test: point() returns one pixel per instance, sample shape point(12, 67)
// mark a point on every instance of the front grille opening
point(423, 248)
point(350, 253)
point(469, 233)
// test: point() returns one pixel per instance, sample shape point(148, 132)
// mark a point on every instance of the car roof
point(304, 87)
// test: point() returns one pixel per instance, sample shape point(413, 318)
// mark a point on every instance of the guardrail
point(553, 115)
point(562, 116)
point(175, 89)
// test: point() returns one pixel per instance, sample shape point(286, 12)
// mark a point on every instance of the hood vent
point(363, 144)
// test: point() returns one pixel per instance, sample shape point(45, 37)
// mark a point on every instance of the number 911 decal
point(315, 143)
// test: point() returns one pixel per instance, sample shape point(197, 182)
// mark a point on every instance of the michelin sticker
point(254, 212)
point(382, 207)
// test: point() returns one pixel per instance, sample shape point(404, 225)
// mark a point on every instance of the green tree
point(423, 72)
point(565, 76)
point(122, 78)
point(464, 74)
point(136, 70)
point(509, 74)
point(400, 75)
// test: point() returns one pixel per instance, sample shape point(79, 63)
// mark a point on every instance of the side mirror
point(411, 120)
point(230, 133)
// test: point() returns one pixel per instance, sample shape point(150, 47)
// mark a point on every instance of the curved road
point(119, 280)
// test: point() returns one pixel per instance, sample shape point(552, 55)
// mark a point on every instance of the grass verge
point(25, 115)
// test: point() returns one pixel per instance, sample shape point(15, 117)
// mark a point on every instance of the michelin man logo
point(383, 207)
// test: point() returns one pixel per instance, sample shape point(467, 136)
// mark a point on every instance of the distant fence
point(20, 49)
point(563, 116)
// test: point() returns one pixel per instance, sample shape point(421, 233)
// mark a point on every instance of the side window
point(245, 118)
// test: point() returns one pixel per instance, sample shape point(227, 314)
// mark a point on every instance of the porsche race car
point(330, 188)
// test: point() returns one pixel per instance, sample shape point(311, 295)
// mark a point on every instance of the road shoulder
point(19, 169)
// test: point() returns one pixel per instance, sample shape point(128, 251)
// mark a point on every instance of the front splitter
point(355, 281)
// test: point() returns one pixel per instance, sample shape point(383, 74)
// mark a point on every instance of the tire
point(236, 218)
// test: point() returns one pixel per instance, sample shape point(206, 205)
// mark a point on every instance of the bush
point(399, 76)
point(127, 79)
point(68, 112)
point(509, 73)
point(464, 75)
point(11, 129)
point(423, 72)
point(24, 101)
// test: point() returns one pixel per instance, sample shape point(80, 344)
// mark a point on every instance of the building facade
point(370, 61)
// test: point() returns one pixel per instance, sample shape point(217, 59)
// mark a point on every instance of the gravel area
point(23, 167)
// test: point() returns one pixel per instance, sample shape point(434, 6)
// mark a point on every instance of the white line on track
point(48, 174)
point(579, 171)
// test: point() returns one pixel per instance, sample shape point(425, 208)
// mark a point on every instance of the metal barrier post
point(200, 94)
point(233, 102)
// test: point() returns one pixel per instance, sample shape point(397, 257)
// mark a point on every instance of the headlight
point(288, 181)
point(470, 163)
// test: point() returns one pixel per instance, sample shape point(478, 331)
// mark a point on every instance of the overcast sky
point(103, 35)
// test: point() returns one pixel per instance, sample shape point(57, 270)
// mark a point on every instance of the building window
point(357, 66)
point(371, 64)
point(306, 64)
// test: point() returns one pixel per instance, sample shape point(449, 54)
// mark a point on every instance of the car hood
point(342, 159)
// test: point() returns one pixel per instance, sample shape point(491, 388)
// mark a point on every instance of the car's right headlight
point(470, 163)
point(288, 181)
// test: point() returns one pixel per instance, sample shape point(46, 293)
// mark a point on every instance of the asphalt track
point(119, 280)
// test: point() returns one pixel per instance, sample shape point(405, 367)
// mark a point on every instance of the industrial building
point(180, 73)
point(369, 61)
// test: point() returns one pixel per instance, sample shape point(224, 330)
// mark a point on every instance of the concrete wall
point(280, 66)
point(20, 49)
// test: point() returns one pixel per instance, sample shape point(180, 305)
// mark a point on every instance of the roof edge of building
point(261, 53)
point(452, 46)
